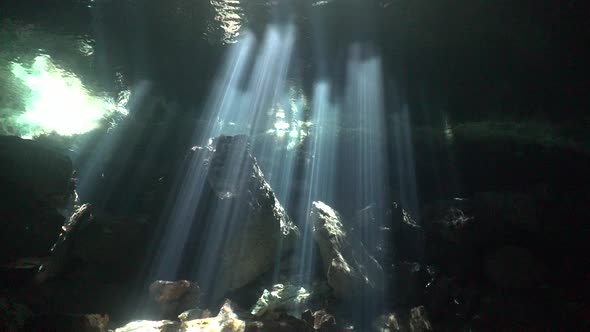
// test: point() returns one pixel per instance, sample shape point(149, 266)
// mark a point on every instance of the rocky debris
point(515, 267)
point(225, 321)
point(150, 326)
point(259, 221)
point(192, 314)
point(36, 168)
point(174, 297)
point(350, 270)
point(282, 297)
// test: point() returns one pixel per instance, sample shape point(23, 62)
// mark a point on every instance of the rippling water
point(228, 17)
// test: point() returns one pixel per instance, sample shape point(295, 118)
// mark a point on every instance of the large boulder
point(351, 270)
point(254, 226)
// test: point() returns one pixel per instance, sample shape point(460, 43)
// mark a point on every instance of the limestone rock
point(193, 314)
point(226, 321)
point(259, 222)
point(149, 326)
point(350, 269)
point(282, 298)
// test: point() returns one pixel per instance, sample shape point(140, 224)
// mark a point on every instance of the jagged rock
point(61, 250)
point(175, 297)
point(259, 222)
point(350, 269)
point(323, 321)
point(150, 326)
point(515, 267)
point(192, 314)
point(226, 321)
point(280, 298)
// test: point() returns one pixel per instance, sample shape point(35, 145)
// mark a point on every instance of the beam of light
point(266, 88)
point(366, 154)
point(231, 109)
point(229, 18)
point(318, 174)
point(58, 101)
point(406, 166)
point(184, 203)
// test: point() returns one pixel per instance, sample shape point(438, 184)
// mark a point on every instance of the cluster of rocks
point(478, 263)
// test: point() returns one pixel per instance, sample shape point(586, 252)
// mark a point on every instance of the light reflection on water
point(58, 101)
point(228, 17)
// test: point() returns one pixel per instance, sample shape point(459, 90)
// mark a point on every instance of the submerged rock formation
point(351, 271)
point(256, 229)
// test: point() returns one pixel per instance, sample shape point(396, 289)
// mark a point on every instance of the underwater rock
point(193, 314)
point(515, 267)
point(150, 326)
point(323, 321)
point(262, 230)
point(350, 270)
point(225, 321)
point(280, 298)
point(175, 297)
point(61, 250)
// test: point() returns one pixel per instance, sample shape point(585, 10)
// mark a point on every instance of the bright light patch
point(59, 102)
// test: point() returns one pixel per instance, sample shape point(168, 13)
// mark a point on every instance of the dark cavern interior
point(294, 165)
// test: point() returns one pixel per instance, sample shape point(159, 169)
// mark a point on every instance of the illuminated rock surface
point(349, 267)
